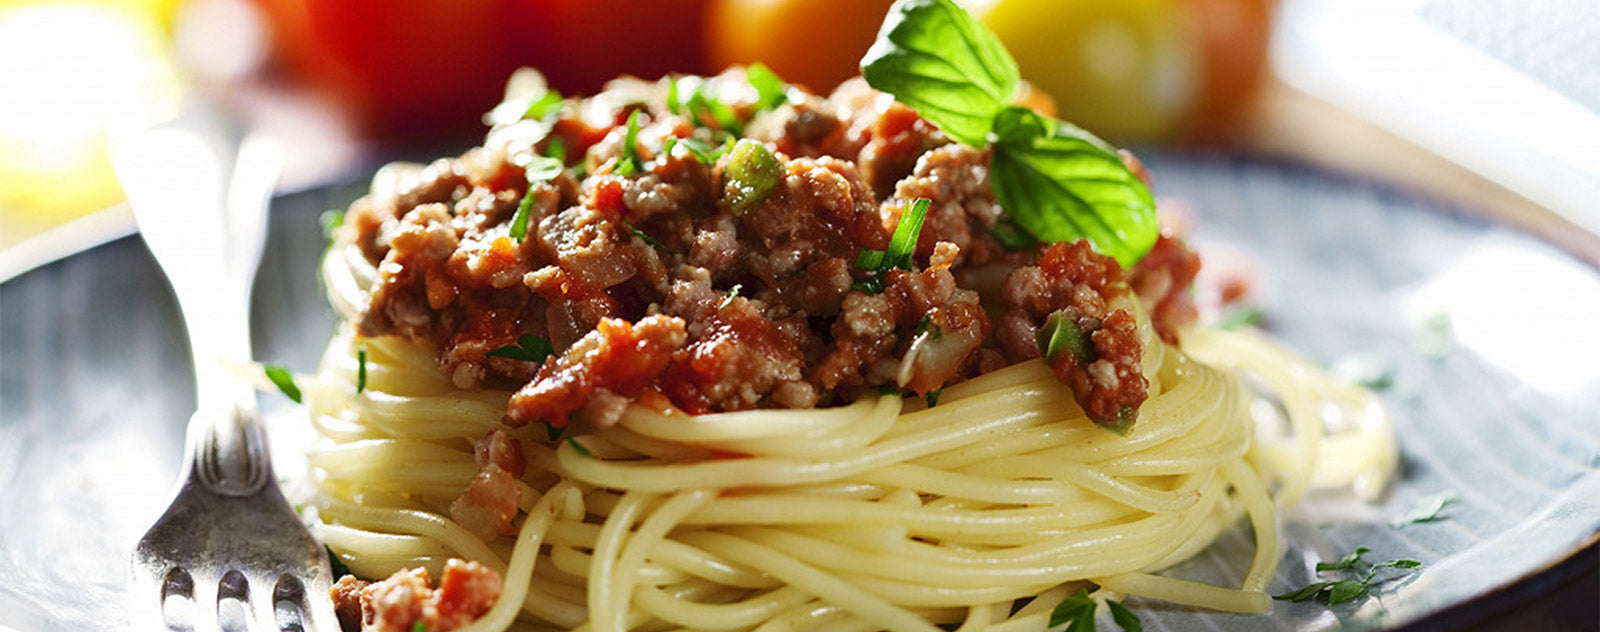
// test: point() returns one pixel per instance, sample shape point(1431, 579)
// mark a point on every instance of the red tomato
point(398, 65)
point(814, 43)
point(581, 44)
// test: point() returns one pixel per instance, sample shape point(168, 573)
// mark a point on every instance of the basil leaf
point(1063, 184)
point(1124, 618)
point(284, 381)
point(935, 57)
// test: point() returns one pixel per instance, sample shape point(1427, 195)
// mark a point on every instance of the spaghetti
point(880, 514)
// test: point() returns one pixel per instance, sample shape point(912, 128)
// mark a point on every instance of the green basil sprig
point(1054, 180)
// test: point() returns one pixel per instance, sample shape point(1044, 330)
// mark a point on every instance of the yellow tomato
point(814, 43)
point(1118, 68)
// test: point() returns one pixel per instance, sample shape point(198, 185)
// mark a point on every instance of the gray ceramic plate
point(1505, 414)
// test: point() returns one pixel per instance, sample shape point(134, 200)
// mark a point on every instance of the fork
point(229, 553)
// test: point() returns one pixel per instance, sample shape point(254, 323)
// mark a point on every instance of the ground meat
point(619, 356)
point(1163, 280)
point(740, 354)
point(1105, 378)
point(398, 604)
point(649, 281)
point(919, 334)
point(956, 178)
point(820, 210)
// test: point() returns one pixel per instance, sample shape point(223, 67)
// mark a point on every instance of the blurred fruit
point(1233, 36)
point(1140, 70)
point(581, 44)
point(815, 43)
point(1119, 68)
point(397, 65)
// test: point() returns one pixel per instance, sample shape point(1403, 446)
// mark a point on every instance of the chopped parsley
point(933, 398)
point(552, 431)
point(647, 238)
point(628, 162)
point(557, 149)
point(547, 104)
point(1077, 612)
point(732, 292)
point(1427, 509)
point(539, 170)
point(581, 449)
point(1056, 181)
point(902, 246)
point(528, 348)
point(771, 91)
point(689, 96)
point(283, 380)
point(418, 626)
point(1358, 585)
point(361, 370)
point(337, 565)
point(331, 220)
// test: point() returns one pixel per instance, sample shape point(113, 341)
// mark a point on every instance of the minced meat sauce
point(652, 266)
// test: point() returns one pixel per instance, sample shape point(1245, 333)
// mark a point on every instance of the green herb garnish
point(337, 565)
point(581, 449)
point(1427, 509)
point(552, 431)
point(628, 163)
point(1077, 612)
point(1054, 180)
point(732, 292)
point(283, 380)
point(331, 220)
point(539, 170)
point(933, 398)
point(1349, 589)
point(528, 348)
point(361, 370)
point(557, 149)
point(1061, 335)
point(771, 91)
point(705, 152)
point(749, 175)
point(1241, 317)
point(547, 104)
point(688, 96)
point(647, 238)
point(418, 626)
point(902, 247)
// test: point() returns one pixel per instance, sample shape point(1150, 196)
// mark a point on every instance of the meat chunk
point(404, 600)
point(1073, 287)
point(739, 355)
point(1163, 279)
point(618, 356)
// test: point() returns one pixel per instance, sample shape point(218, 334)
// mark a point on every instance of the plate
point(1482, 338)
